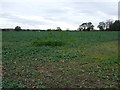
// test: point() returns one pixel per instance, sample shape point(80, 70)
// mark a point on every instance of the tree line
point(109, 25)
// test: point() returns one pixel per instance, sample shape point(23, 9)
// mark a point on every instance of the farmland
point(59, 59)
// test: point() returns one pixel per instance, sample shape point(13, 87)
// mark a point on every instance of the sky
point(46, 14)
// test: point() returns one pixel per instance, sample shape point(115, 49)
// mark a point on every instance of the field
point(60, 59)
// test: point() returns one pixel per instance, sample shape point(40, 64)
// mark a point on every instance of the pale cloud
point(60, 0)
point(44, 14)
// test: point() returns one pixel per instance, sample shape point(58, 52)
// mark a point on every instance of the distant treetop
point(18, 28)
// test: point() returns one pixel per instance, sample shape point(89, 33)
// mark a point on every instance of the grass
point(60, 59)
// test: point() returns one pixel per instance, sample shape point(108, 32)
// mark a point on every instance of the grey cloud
point(90, 7)
point(14, 18)
point(55, 11)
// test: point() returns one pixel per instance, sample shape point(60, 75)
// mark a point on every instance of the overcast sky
point(44, 14)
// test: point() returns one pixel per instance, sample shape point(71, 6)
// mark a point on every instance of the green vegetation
point(48, 42)
point(60, 59)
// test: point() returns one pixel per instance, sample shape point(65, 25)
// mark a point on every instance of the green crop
point(60, 59)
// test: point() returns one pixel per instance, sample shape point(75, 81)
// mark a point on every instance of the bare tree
point(101, 25)
point(108, 23)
